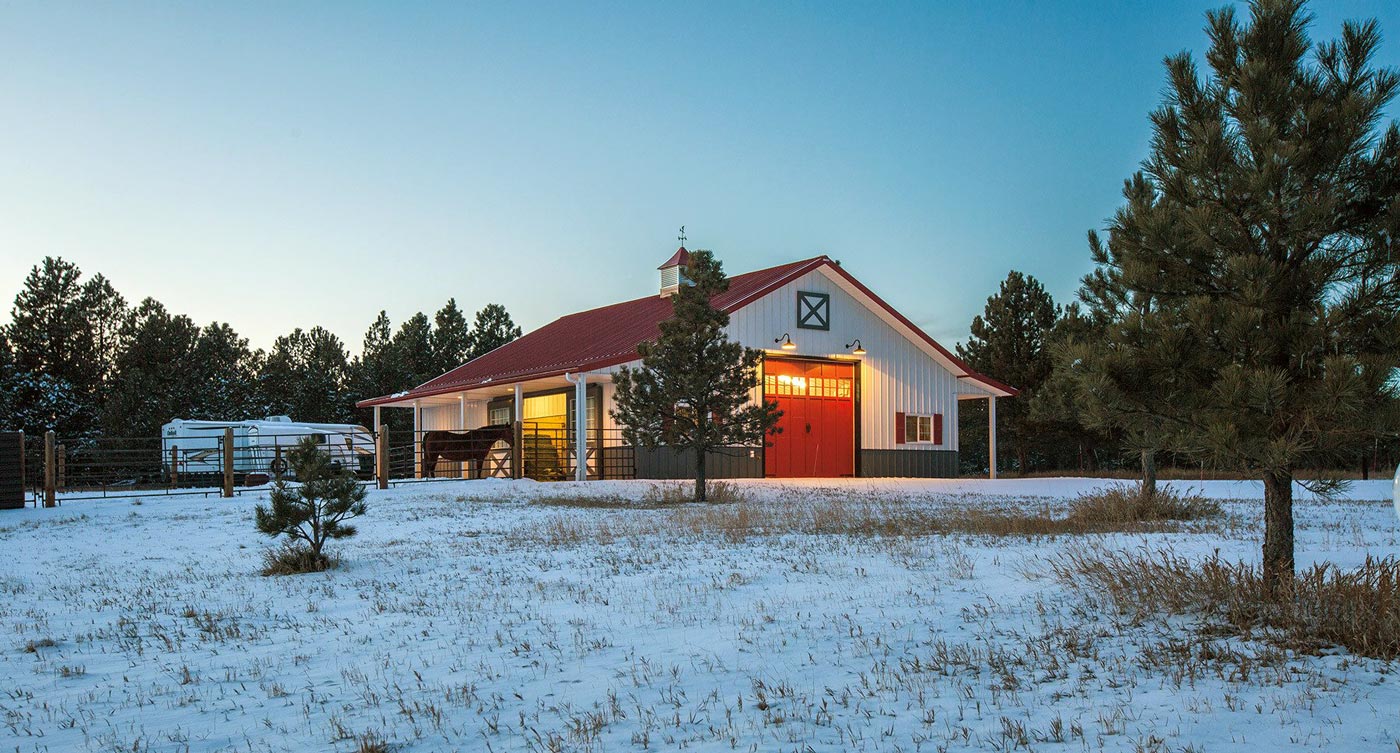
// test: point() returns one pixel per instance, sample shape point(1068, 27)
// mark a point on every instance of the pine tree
point(451, 338)
point(313, 512)
point(413, 347)
point(8, 385)
point(157, 376)
point(492, 329)
point(1139, 366)
point(693, 389)
point(1056, 407)
point(50, 332)
point(225, 376)
point(306, 377)
point(377, 371)
point(106, 312)
point(1261, 230)
point(1008, 340)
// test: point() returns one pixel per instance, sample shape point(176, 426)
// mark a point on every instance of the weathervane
point(682, 235)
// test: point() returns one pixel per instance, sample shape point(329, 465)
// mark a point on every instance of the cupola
point(673, 272)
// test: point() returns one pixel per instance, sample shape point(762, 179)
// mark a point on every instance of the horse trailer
point(260, 445)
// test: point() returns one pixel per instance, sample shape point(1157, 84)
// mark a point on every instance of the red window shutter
point(938, 428)
point(899, 428)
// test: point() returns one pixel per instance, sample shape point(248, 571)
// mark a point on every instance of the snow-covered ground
point(486, 615)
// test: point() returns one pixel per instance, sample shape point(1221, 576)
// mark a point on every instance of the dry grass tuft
point(295, 560)
point(371, 742)
point(1356, 609)
point(32, 647)
point(1129, 503)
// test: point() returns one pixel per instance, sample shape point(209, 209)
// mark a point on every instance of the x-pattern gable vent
point(813, 310)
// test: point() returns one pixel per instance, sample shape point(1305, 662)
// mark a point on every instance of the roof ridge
point(579, 340)
point(729, 278)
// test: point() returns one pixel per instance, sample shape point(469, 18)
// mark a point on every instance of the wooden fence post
point(381, 456)
point(62, 466)
point(517, 452)
point(23, 478)
point(50, 472)
point(228, 461)
point(174, 466)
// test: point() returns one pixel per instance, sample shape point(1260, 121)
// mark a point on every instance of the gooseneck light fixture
point(859, 351)
point(787, 343)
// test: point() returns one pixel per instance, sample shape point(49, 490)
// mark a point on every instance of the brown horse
point(463, 446)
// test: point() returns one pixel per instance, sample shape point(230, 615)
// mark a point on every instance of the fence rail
point(226, 462)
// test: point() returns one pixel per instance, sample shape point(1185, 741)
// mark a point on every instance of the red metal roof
point(608, 336)
point(679, 259)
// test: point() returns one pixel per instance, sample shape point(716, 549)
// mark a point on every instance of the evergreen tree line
point(78, 359)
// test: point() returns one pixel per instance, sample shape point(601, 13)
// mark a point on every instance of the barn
point(864, 392)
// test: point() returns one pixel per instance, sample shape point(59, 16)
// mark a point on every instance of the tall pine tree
point(59, 377)
point(8, 385)
point(692, 391)
point(157, 376)
point(377, 371)
point(1056, 407)
point(413, 347)
point(1261, 227)
point(492, 329)
point(225, 372)
point(1008, 340)
point(106, 312)
point(306, 375)
point(1140, 365)
point(451, 338)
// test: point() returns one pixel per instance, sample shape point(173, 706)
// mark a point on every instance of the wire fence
point(230, 459)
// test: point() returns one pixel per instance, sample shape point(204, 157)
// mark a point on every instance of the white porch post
point(464, 466)
point(417, 439)
point(376, 418)
point(517, 452)
point(581, 428)
point(992, 435)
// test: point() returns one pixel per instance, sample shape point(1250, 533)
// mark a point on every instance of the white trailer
point(258, 444)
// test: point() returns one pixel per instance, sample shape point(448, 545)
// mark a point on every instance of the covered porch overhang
point(977, 387)
point(483, 393)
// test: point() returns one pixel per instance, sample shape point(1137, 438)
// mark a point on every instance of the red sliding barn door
point(818, 437)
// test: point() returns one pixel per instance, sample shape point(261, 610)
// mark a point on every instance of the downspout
point(580, 382)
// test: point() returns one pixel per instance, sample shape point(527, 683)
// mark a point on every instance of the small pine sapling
point(312, 512)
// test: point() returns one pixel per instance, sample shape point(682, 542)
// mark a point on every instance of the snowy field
point(515, 616)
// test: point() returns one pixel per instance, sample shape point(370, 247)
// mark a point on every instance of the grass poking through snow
point(1358, 609)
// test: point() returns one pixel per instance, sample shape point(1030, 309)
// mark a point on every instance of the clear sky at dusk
point(277, 165)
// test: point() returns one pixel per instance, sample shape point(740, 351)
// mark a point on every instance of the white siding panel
point(448, 417)
point(476, 414)
point(439, 417)
point(897, 374)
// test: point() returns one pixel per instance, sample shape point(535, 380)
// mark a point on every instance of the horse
point(463, 446)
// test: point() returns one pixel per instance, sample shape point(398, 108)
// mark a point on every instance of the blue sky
point(277, 165)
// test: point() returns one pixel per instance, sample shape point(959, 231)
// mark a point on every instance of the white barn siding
point(897, 375)
point(448, 417)
point(439, 417)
